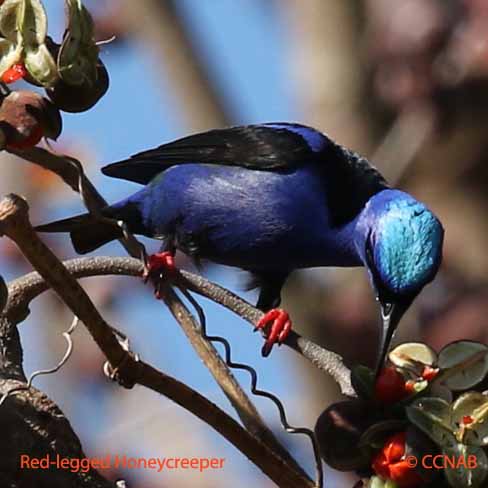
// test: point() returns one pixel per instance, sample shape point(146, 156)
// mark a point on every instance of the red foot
point(280, 328)
point(158, 266)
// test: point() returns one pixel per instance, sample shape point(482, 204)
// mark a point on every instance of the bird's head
point(402, 252)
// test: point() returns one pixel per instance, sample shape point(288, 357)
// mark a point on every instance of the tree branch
point(32, 423)
point(14, 223)
point(23, 290)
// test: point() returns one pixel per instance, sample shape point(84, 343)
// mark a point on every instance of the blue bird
point(269, 199)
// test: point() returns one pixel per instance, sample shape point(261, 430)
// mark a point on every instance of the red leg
point(158, 266)
point(280, 326)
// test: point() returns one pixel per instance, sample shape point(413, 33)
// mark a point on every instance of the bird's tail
point(87, 233)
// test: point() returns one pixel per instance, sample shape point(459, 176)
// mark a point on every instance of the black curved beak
point(391, 314)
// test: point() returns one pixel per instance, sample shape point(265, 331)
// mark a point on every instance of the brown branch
point(32, 424)
point(327, 361)
point(257, 451)
point(15, 224)
point(23, 290)
point(71, 172)
point(205, 349)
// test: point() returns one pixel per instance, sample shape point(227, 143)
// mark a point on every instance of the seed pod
point(23, 24)
point(26, 117)
point(339, 429)
point(79, 98)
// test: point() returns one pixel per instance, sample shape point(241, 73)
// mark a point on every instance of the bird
point(272, 198)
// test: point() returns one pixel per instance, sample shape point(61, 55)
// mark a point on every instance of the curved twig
point(54, 369)
point(319, 474)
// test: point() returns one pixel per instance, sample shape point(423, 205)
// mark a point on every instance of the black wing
point(270, 146)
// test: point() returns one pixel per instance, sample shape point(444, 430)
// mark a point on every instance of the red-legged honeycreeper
point(272, 198)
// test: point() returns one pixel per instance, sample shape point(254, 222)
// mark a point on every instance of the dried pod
point(26, 117)
point(339, 430)
point(79, 98)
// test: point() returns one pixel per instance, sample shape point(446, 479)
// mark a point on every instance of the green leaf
point(437, 408)
point(438, 390)
point(431, 415)
point(411, 355)
point(470, 466)
point(461, 373)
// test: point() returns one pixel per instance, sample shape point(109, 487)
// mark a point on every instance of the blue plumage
point(272, 198)
point(261, 221)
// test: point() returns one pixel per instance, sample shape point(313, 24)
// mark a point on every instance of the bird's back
point(267, 193)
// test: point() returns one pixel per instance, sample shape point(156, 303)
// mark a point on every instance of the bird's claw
point(158, 266)
point(280, 327)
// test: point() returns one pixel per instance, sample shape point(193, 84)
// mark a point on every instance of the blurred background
point(404, 83)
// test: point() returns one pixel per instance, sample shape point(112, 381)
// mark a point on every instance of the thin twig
point(205, 349)
point(257, 451)
point(70, 170)
point(54, 369)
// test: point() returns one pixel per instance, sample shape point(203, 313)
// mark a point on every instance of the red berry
point(390, 386)
point(429, 373)
point(390, 464)
point(410, 387)
point(14, 73)
point(467, 419)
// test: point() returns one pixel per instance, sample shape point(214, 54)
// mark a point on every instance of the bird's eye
point(372, 267)
point(369, 252)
